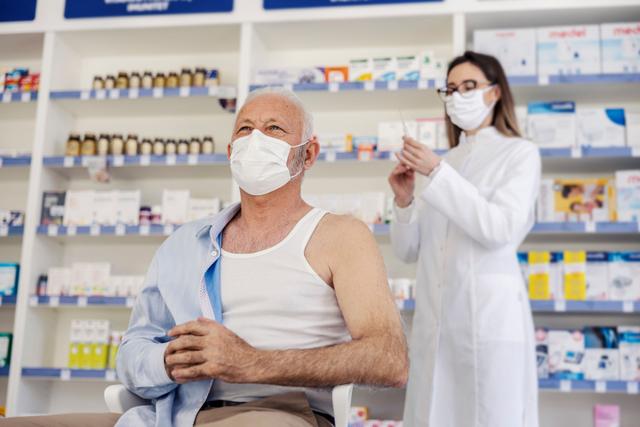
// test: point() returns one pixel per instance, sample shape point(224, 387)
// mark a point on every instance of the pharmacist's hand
point(418, 156)
point(205, 349)
point(403, 183)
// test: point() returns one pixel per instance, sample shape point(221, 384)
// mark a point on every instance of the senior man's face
point(272, 115)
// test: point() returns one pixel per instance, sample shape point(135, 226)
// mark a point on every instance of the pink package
point(606, 416)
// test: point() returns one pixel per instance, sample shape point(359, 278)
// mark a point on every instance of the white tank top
point(274, 300)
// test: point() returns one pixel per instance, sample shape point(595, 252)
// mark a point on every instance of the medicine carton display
point(628, 195)
point(76, 335)
point(105, 210)
point(175, 206)
point(6, 340)
point(390, 134)
point(336, 74)
point(545, 275)
point(569, 50)
point(514, 48)
point(202, 208)
point(542, 352)
point(606, 415)
point(602, 357)
point(360, 70)
point(552, 124)
point(52, 212)
point(78, 210)
point(597, 275)
point(624, 276)
point(114, 346)
point(620, 47)
point(128, 207)
point(632, 121)
point(566, 354)
point(428, 132)
point(384, 69)
point(629, 345)
point(408, 67)
point(601, 127)
point(9, 278)
point(591, 199)
point(575, 275)
point(431, 67)
point(100, 344)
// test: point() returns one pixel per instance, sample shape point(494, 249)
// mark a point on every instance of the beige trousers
point(286, 410)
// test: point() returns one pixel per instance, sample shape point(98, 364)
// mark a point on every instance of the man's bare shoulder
point(340, 229)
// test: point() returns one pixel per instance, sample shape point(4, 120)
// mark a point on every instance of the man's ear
point(229, 150)
point(312, 152)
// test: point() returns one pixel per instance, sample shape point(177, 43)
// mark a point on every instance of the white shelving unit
point(70, 53)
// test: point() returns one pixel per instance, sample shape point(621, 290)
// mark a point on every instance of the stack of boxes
point(92, 345)
point(19, 79)
point(88, 279)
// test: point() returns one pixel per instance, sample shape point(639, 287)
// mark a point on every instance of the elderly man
point(250, 317)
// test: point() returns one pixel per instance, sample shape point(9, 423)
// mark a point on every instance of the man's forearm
point(377, 361)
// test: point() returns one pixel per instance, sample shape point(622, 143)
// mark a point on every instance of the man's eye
point(274, 128)
point(244, 129)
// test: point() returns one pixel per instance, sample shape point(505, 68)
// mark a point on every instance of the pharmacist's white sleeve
point(405, 232)
point(140, 360)
point(502, 219)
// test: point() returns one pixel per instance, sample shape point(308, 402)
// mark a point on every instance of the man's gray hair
point(307, 118)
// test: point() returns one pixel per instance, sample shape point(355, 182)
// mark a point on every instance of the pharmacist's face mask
point(468, 111)
point(259, 163)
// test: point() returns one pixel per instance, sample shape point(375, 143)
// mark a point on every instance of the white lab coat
point(472, 348)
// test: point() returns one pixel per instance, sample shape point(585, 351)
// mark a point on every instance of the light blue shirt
point(171, 297)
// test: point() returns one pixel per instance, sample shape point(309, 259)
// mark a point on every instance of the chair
point(119, 399)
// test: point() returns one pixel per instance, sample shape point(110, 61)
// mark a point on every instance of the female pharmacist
point(472, 346)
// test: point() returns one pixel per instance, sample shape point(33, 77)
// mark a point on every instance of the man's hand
point(205, 349)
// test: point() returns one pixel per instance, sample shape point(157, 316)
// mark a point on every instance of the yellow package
point(539, 275)
point(575, 277)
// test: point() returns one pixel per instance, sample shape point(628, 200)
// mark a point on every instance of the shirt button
point(214, 253)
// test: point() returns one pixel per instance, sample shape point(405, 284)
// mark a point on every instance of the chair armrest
point(341, 400)
point(119, 399)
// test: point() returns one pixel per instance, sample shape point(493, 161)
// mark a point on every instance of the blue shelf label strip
point(6, 161)
point(17, 10)
point(305, 4)
point(203, 159)
point(75, 9)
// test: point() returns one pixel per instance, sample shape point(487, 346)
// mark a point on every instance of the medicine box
point(175, 206)
point(584, 200)
point(52, 207)
point(542, 352)
point(360, 70)
point(9, 278)
point(384, 69)
point(128, 207)
point(59, 281)
point(514, 48)
point(620, 47)
point(602, 357)
point(202, 208)
point(606, 415)
point(632, 120)
point(76, 335)
point(310, 75)
point(274, 76)
point(100, 344)
point(628, 195)
point(390, 134)
point(6, 339)
point(428, 132)
point(566, 354)
point(408, 67)
point(624, 276)
point(545, 275)
point(431, 67)
point(569, 50)
point(597, 275)
point(629, 345)
point(552, 124)
point(105, 210)
point(575, 275)
point(601, 127)
point(78, 209)
point(114, 346)
point(336, 142)
point(336, 74)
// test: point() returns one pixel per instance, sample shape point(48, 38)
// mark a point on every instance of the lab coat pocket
point(499, 308)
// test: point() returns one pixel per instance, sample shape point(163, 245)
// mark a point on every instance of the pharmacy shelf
point(81, 301)
point(625, 387)
point(586, 228)
point(591, 79)
point(544, 306)
point(107, 230)
point(118, 102)
point(14, 161)
point(18, 97)
point(11, 231)
point(140, 160)
point(65, 374)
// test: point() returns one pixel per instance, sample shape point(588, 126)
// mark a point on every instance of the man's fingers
point(195, 327)
point(184, 342)
point(185, 358)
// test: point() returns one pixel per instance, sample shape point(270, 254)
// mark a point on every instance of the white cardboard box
point(175, 206)
point(202, 208)
point(384, 69)
point(566, 354)
point(552, 124)
point(624, 276)
point(390, 134)
point(569, 50)
point(628, 195)
point(360, 70)
point(408, 67)
point(600, 127)
point(629, 345)
point(105, 207)
point(514, 48)
point(59, 281)
point(597, 275)
point(620, 47)
point(128, 207)
point(632, 120)
point(78, 208)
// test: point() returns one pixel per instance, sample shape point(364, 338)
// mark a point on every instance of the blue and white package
point(597, 275)
point(602, 358)
point(552, 124)
point(9, 277)
point(542, 352)
point(620, 47)
point(566, 354)
point(629, 346)
point(515, 48)
point(569, 50)
point(601, 127)
point(624, 276)
point(628, 195)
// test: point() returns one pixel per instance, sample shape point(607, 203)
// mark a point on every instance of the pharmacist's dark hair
point(504, 112)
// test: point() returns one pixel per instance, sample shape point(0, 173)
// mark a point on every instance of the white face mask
point(259, 163)
point(468, 112)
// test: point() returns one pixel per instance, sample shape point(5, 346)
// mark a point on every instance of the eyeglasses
point(465, 89)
